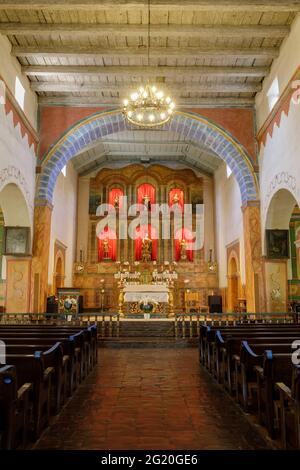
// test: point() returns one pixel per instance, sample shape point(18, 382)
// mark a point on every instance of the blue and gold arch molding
point(193, 127)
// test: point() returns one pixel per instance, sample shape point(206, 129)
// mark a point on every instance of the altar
point(146, 298)
point(143, 292)
point(145, 289)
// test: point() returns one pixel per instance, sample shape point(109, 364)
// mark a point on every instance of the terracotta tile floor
point(150, 399)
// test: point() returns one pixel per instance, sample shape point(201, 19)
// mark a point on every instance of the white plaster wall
point(64, 221)
point(83, 217)
point(17, 165)
point(283, 68)
point(9, 69)
point(228, 221)
point(279, 162)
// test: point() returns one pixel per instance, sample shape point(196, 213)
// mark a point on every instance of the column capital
point(247, 204)
point(43, 203)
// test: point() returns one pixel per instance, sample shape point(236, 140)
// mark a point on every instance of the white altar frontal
point(142, 292)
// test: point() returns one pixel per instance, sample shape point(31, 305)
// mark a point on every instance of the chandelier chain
point(148, 106)
point(149, 27)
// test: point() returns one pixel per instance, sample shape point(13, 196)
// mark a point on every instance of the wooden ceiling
point(95, 52)
point(147, 148)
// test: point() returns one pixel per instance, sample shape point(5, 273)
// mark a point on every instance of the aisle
point(150, 399)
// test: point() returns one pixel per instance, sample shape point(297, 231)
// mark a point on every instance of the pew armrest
point(259, 371)
point(284, 390)
point(236, 358)
point(66, 359)
point(24, 390)
point(48, 372)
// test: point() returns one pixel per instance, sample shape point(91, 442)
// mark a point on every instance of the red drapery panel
point(146, 190)
point(141, 233)
point(115, 195)
point(183, 234)
point(107, 245)
point(176, 196)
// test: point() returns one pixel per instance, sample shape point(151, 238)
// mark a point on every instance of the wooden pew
point(53, 357)
point(258, 357)
point(30, 368)
point(277, 367)
point(14, 410)
point(86, 344)
point(227, 345)
point(207, 337)
point(290, 411)
point(89, 332)
point(75, 343)
point(251, 355)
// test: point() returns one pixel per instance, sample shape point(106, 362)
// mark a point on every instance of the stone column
point(41, 249)
point(255, 279)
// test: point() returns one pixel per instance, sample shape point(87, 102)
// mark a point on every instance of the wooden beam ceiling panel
point(186, 5)
point(115, 102)
point(166, 31)
point(63, 87)
point(178, 52)
point(138, 71)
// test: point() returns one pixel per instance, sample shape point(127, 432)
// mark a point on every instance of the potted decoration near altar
point(147, 306)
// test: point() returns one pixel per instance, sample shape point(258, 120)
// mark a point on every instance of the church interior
point(149, 225)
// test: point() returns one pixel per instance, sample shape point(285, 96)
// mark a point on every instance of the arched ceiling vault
point(146, 147)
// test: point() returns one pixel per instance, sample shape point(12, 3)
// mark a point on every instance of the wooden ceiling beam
point(66, 87)
point(140, 71)
point(190, 5)
point(115, 102)
point(178, 52)
point(164, 30)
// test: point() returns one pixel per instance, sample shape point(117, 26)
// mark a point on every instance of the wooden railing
point(188, 324)
point(108, 323)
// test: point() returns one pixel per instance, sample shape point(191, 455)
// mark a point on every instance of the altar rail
point(108, 323)
point(188, 324)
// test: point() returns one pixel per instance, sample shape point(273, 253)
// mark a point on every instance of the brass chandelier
point(148, 106)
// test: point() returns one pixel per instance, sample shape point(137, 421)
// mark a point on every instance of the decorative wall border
point(19, 117)
point(282, 107)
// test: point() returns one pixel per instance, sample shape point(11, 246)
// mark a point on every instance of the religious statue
point(146, 201)
point(116, 202)
point(105, 248)
point(183, 256)
point(146, 249)
point(176, 198)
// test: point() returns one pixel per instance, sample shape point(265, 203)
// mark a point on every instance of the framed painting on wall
point(277, 244)
point(17, 241)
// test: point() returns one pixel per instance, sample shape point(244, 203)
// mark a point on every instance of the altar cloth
point(158, 293)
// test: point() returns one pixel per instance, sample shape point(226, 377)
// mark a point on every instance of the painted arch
point(197, 129)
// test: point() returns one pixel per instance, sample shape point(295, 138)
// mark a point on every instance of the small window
point(64, 170)
point(19, 93)
point(273, 94)
point(228, 171)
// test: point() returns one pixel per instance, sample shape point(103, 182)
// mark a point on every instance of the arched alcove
point(279, 246)
point(14, 206)
point(16, 271)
